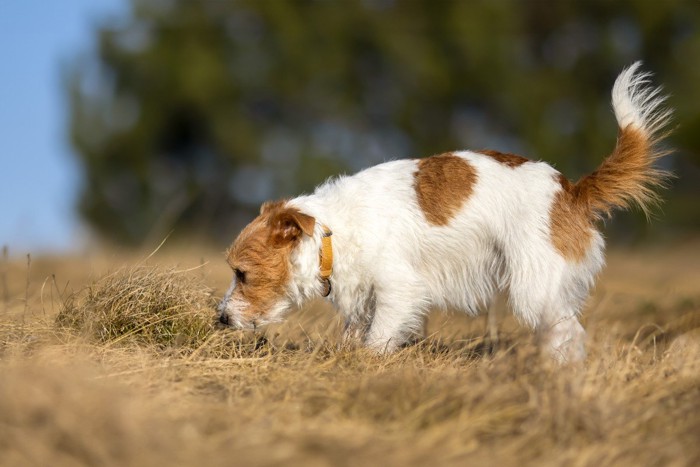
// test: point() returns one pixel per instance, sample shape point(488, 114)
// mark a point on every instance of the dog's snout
point(223, 318)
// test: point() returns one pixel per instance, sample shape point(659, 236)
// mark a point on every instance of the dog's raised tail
point(628, 176)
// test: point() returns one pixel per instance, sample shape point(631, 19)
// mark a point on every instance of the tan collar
point(326, 260)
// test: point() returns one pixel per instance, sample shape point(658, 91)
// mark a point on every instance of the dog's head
point(262, 270)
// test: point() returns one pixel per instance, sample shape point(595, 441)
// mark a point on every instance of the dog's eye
point(240, 275)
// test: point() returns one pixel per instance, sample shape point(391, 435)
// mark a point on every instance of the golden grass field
point(110, 359)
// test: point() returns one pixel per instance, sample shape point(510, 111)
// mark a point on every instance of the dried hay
point(152, 307)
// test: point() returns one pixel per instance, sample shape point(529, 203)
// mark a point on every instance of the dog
point(450, 231)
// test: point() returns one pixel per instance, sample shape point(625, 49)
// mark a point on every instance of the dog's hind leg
point(564, 339)
point(555, 320)
point(547, 292)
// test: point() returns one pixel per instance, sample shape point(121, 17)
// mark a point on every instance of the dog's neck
point(312, 266)
point(307, 279)
point(351, 281)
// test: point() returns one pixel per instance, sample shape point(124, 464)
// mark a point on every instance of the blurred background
point(124, 121)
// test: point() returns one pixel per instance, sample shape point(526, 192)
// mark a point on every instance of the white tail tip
point(638, 104)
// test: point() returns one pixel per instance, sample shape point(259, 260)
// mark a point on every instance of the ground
point(128, 375)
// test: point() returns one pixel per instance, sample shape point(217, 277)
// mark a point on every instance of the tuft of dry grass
point(154, 307)
point(143, 377)
point(143, 304)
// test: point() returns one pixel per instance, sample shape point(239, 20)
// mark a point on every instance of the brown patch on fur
point(625, 178)
point(262, 252)
point(505, 158)
point(443, 183)
point(570, 224)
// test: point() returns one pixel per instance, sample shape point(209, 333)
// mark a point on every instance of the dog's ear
point(289, 224)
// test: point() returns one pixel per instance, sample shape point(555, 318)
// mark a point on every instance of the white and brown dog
point(449, 231)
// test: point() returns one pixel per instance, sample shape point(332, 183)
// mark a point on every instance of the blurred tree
point(193, 113)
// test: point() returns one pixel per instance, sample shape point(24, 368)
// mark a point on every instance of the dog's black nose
point(223, 319)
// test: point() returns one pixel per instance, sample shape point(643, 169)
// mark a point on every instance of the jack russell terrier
point(450, 231)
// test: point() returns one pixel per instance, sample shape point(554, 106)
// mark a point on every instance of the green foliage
point(193, 113)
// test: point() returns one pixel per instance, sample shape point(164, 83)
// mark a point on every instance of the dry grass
point(129, 369)
point(142, 305)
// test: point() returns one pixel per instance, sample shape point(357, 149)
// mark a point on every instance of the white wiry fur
point(391, 265)
point(637, 104)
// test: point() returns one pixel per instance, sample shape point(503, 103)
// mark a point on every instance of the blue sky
point(39, 178)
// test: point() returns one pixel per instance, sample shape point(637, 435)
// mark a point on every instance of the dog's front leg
point(358, 323)
point(399, 315)
point(354, 332)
